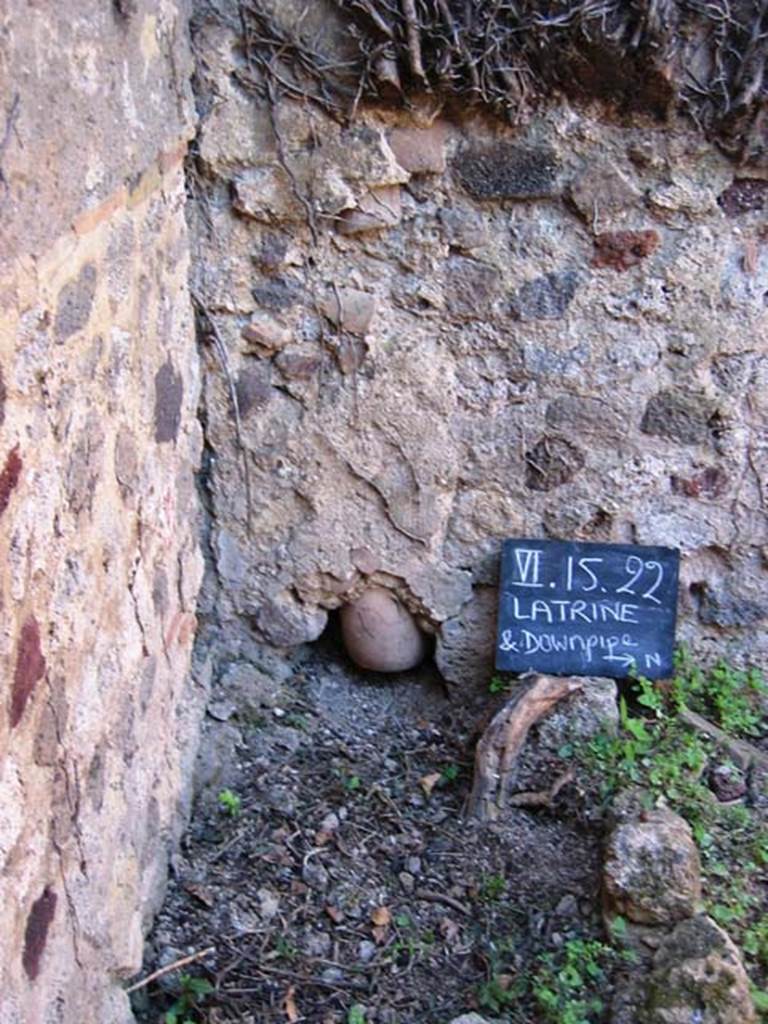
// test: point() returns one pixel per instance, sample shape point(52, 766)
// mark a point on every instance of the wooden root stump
point(501, 743)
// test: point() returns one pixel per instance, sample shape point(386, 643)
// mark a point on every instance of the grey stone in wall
point(545, 298)
point(508, 171)
point(74, 304)
point(679, 415)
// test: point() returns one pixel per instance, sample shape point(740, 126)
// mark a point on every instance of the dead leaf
point(543, 797)
point(381, 916)
point(335, 914)
point(449, 929)
point(289, 1005)
point(200, 892)
point(323, 837)
point(428, 782)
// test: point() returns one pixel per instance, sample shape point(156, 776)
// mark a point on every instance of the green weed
point(352, 783)
point(296, 721)
point(498, 685)
point(567, 986)
point(760, 999)
point(657, 751)
point(193, 991)
point(410, 944)
point(492, 888)
point(660, 754)
point(727, 696)
point(497, 994)
point(285, 949)
point(230, 803)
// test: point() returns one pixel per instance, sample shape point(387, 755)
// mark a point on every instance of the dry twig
point(442, 897)
point(175, 966)
point(743, 753)
point(542, 797)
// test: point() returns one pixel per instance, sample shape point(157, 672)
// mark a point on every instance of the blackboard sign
point(587, 609)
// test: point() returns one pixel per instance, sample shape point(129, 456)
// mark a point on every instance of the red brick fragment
point(9, 477)
point(711, 482)
point(30, 669)
point(420, 150)
point(36, 933)
point(624, 249)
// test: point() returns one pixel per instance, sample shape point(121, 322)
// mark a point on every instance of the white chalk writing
point(527, 561)
point(590, 608)
point(555, 610)
point(592, 646)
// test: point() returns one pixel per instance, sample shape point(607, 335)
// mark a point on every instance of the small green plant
point(492, 888)
point(760, 999)
point(252, 720)
point(356, 1014)
point(657, 749)
point(449, 774)
point(296, 721)
point(230, 803)
point(724, 694)
point(352, 783)
point(659, 753)
point(410, 944)
point(567, 985)
point(285, 949)
point(618, 928)
point(193, 991)
point(501, 989)
point(497, 685)
point(649, 696)
point(497, 993)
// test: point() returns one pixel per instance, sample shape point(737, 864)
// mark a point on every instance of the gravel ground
point(343, 883)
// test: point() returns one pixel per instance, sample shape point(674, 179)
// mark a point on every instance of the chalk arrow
point(623, 659)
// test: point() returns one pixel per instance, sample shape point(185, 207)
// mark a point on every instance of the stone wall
point(99, 439)
point(441, 331)
point(423, 331)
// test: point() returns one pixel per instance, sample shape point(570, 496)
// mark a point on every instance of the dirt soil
point(345, 874)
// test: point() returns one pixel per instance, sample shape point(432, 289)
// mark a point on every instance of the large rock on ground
point(652, 870)
point(380, 633)
point(698, 976)
point(593, 710)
